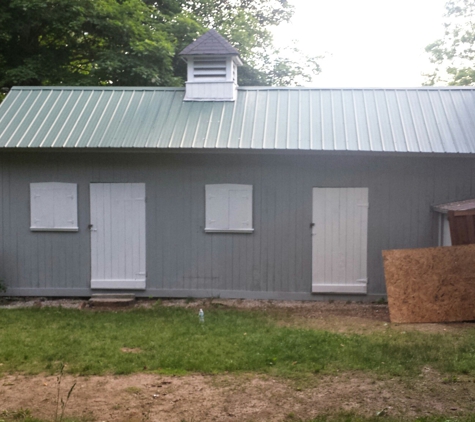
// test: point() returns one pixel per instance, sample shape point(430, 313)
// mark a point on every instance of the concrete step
point(111, 299)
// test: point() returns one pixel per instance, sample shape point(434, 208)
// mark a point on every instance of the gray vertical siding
point(273, 262)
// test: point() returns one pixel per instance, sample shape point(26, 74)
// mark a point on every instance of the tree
point(247, 25)
point(136, 42)
point(454, 55)
point(86, 42)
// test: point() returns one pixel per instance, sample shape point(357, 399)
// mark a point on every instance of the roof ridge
point(247, 88)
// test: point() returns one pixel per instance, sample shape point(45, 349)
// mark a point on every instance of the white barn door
point(339, 240)
point(117, 235)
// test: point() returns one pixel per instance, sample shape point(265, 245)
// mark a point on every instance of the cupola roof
point(210, 43)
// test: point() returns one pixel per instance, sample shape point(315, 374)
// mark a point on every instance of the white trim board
point(118, 284)
point(340, 288)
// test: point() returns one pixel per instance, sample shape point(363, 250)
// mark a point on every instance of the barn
point(215, 190)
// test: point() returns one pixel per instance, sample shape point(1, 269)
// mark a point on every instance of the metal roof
point(426, 120)
point(210, 43)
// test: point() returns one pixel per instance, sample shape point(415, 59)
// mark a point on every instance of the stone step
point(111, 299)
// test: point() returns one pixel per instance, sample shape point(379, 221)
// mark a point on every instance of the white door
point(117, 235)
point(339, 240)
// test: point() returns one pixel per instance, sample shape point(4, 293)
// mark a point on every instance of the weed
point(450, 380)
point(133, 390)
point(382, 301)
point(17, 415)
point(24, 415)
point(60, 402)
point(217, 305)
point(271, 361)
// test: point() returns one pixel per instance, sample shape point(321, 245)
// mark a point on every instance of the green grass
point(172, 341)
point(342, 417)
point(24, 415)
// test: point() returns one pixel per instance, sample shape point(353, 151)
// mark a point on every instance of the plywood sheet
point(431, 284)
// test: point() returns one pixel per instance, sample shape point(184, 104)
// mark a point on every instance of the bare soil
point(249, 397)
point(145, 397)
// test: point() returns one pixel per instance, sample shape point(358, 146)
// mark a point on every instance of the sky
point(367, 43)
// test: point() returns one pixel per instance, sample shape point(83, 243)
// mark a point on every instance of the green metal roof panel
point(393, 120)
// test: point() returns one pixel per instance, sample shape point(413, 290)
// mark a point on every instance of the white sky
point(369, 43)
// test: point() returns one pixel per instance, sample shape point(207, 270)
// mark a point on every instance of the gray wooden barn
point(215, 190)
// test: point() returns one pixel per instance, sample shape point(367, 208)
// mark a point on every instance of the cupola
point(212, 69)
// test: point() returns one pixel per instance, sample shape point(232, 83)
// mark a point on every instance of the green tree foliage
point(87, 42)
point(454, 55)
point(247, 24)
point(136, 42)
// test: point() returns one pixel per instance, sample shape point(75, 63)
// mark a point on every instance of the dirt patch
point(131, 350)
point(145, 397)
point(15, 303)
point(148, 397)
point(335, 316)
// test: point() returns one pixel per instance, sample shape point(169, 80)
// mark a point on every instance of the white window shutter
point(53, 206)
point(228, 208)
point(217, 207)
point(240, 208)
point(65, 206)
point(41, 205)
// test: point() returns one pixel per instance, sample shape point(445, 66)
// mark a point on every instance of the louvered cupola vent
point(212, 69)
point(209, 69)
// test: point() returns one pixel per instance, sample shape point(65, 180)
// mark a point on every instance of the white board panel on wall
point(339, 240)
point(53, 206)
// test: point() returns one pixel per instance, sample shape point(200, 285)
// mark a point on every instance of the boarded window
point(229, 208)
point(53, 206)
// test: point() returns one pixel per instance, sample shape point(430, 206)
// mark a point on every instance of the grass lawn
point(25, 416)
point(172, 341)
